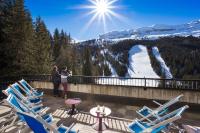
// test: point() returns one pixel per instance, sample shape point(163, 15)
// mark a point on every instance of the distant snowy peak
point(155, 32)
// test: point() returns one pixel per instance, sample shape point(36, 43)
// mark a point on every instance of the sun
point(102, 7)
point(101, 11)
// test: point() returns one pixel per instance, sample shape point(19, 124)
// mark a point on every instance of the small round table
point(73, 103)
point(100, 125)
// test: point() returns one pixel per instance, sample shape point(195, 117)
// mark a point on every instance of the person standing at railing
point(64, 75)
point(56, 81)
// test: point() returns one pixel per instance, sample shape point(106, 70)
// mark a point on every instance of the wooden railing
point(119, 81)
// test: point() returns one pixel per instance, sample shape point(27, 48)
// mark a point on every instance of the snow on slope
point(140, 64)
point(139, 67)
point(155, 32)
point(164, 67)
point(113, 71)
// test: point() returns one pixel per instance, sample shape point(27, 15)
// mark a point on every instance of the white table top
point(107, 111)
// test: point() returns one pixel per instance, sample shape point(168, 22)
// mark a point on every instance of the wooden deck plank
point(92, 120)
point(81, 117)
point(88, 119)
point(66, 115)
point(114, 124)
point(126, 125)
point(55, 112)
point(122, 126)
point(75, 116)
point(85, 118)
point(60, 113)
point(78, 116)
point(63, 115)
point(118, 125)
point(110, 125)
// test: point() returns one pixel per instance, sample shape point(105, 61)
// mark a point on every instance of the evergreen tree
point(18, 37)
point(56, 44)
point(42, 47)
point(107, 71)
point(5, 7)
point(86, 70)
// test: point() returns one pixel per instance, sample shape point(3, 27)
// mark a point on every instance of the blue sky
point(65, 14)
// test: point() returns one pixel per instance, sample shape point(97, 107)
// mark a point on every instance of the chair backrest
point(14, 102)
point(25, 85)
point(9, 91)
point(169, 103)
point(16, 88)
point(33, 122)
point(22, 88)
point(169, 118)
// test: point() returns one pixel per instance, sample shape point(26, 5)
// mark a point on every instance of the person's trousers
point(65, 87)
point(55, 89)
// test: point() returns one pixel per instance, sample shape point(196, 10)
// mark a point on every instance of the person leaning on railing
point(64, 75)
point(56, 81)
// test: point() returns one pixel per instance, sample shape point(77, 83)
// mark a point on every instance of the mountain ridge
point(155, 32)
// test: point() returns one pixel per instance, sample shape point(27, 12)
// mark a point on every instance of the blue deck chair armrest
point(136, 127)
point(33, 97)
point(156, 102)
point(35, 101)
point(144, 111)
point(37, 106)
point(48, 118)
point(39, 111)
point(69, 130)
point(64, 129)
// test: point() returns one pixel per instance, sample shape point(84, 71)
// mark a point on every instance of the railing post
point(145, 83)
point(164, 83)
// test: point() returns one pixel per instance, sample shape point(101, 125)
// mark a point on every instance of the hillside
point(172, 57)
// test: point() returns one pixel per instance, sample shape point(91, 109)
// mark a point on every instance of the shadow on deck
point(120, 117)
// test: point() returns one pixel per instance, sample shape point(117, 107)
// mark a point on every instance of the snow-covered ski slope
point(139, 67)
point(139, 63)
point(165, 69)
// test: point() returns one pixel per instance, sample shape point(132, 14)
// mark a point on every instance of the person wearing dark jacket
point(56, 81)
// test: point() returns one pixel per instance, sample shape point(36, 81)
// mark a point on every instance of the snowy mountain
point(155, 32)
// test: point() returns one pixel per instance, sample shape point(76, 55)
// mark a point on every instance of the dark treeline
point(181, 54)
point(26, 46)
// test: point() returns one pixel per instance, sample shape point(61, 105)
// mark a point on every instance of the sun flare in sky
point(101, 10)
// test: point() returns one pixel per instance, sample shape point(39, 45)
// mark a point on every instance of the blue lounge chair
point(18, 91)
point(158, 124)
point(147, 112)
point(38, 125)
point(29, 89)
point(17, 105)
point(19, 95)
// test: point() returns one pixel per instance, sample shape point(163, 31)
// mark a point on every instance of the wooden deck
point(120, 117)
point(84, 121)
